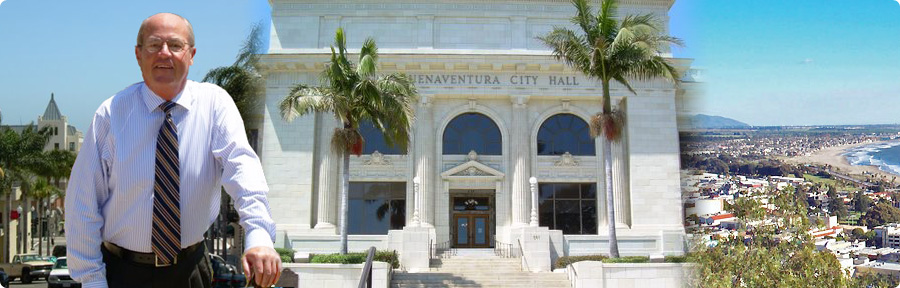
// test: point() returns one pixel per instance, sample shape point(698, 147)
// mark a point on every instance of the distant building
point(715, 219)
point(62, 135)
point(889, 235)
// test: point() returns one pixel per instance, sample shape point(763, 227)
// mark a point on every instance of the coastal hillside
point(701, 121)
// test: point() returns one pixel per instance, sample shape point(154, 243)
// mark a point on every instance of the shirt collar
point(184, 98)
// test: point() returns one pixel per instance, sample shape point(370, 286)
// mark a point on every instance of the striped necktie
point(166, 236)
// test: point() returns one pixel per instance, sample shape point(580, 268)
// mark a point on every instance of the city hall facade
point(495, 110)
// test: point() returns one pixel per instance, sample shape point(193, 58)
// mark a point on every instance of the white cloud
point(1, 1)
point(810, 60)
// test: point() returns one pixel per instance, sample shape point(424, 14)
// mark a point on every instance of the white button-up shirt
point(110, 192)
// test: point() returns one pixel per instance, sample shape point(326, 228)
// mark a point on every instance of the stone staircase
point(478, 268)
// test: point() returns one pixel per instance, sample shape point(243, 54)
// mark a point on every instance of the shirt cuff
point(101, 283)
point(258, 237)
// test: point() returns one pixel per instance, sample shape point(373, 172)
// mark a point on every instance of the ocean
point(885, 156)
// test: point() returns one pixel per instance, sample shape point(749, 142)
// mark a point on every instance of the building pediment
point(472, 169)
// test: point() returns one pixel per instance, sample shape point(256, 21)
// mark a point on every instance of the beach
point(834, 156)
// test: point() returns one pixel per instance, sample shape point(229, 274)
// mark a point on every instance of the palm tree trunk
point(40, 214)
point(345, 192)
point(610, 204)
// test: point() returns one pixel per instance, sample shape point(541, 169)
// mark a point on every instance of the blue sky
point(797, 62)
point(83, 51)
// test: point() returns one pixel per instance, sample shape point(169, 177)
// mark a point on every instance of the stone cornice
point(546, 8)
point(666, 3)
point(435, 63)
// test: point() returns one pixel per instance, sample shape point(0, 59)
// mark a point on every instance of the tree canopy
point(881, 214)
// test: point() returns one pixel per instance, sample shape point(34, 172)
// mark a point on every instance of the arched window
point(563, 133)
point(472, 131)
point(375, 140)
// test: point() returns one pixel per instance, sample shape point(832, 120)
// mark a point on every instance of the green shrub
point(628, 259)
point(564, 261)
point(389, 257)
point(678, 259)
point(287, 255)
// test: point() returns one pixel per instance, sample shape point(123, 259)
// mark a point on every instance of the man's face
point(163, 67)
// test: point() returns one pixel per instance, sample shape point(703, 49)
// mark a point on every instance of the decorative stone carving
point(472, 156)
point(377, 159)
point(472, 171)
point(566, 160)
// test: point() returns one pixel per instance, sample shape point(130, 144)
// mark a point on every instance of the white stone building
point(62, 135)
point(496, 109)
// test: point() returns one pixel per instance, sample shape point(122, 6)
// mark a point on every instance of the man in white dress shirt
point(146, 183)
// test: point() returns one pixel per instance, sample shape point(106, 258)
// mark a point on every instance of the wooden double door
point(472, 230)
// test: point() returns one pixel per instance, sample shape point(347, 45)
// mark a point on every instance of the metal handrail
point(440, 250)
point(505, 250)
point(522, 253)
point(365, 279)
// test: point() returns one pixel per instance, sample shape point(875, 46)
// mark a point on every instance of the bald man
point(145, 186)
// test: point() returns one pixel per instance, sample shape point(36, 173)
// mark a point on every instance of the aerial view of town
point(820, 189)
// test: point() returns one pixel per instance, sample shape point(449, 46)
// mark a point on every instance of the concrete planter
point(337, 275)
point(596, 274)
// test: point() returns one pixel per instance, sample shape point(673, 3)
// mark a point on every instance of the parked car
point(224, 274)
point(59, 276)
point(27, 267)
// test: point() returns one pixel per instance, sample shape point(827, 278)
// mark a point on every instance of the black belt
point(148, 258)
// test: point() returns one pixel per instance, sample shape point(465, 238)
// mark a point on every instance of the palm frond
point(584, 18)
point(243, 85)
point(366, 67)
point(369, 49)
point(606, 18)
point(655, 67)
point(303, 100)
point(569, 47)
point(248, 55)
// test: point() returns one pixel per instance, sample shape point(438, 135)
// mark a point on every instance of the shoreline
point(834, 156)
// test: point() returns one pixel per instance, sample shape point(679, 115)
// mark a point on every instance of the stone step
point(451, 283)
point(480, 277)
point(408, 285)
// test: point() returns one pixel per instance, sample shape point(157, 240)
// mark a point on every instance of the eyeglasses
point(154, 45)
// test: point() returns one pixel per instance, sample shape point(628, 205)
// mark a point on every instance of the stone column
point(424, 141)
point(329, 165)
point(519, 154)
point(622, 195)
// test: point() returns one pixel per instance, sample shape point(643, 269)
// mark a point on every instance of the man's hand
point(263, 264)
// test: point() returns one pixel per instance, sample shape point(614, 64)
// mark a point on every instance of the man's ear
point(193, 52)
point(137, 54)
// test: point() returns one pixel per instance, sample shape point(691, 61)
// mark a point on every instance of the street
point(35, 284)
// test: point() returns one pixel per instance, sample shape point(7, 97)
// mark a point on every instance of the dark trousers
point(192, 271)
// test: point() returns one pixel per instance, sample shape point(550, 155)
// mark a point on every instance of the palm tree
point(20, 156)
point(355, 93)
point(42, 190)
point(244, 84)
point(54, 166)
point(609, 50)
